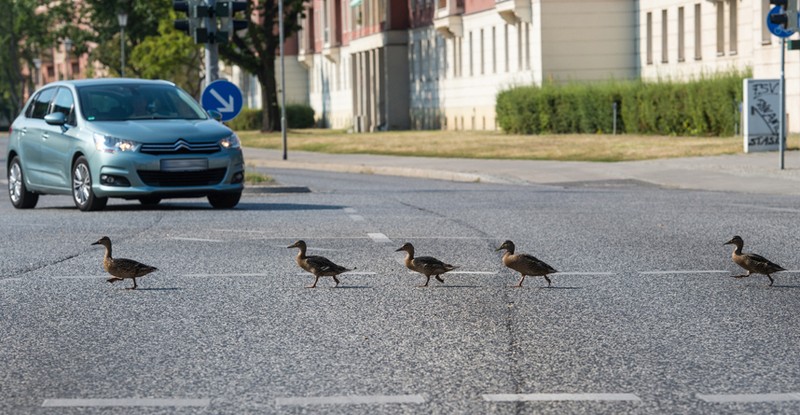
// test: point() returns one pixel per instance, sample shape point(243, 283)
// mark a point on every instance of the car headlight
point(231, 141)
point(109, 144)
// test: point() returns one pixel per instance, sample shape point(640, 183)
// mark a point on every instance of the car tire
point(82, 193)
point(149, 200)
point(20, 197)
point(224, 200)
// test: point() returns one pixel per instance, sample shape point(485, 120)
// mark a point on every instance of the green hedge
point(704, 107)
point(297, 116)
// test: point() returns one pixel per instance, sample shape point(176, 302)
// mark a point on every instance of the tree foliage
point(28, 28)
point(255, 50)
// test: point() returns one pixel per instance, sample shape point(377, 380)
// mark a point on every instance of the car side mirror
point(56, 118)
point(215, 115)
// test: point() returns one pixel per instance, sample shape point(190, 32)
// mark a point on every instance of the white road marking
point(197, 239)
point(10, 279)
point(224, 275)
point(350, 400)
point(349, 210)
point(750, 397)
point(357, 218)
point(776, 209)
point(471, 272)
point(80, 277)
point(584, 273)
point(685, 271)
point(346, 273)
point(524, 397)
point(126, 402)
point(380, 238)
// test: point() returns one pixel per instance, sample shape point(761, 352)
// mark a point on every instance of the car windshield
point(126, 102)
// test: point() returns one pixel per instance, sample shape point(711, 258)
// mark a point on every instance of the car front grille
point(182, 178)
point(180, 147)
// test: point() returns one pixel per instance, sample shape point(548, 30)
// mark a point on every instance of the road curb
point(383, 171)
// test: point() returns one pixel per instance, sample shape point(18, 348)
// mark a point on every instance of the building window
point(505, 45)
point(681, 36)
point(494, 49)
point(664, 34)
point(766, 36)
point(519, 46)
point(471, 53)
point(734, 25)
point(698, 40)
point(649, 44)
point(720, 28)
point(482, 47)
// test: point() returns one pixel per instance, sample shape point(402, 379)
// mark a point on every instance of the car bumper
point(137, 175)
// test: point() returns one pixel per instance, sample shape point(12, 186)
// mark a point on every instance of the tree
point(256, 49)
point(170, 55)
point(27, 28)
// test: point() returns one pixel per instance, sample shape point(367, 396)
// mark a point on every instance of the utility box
point(762, 121)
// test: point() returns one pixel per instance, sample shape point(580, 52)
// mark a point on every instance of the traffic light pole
point(211, 58)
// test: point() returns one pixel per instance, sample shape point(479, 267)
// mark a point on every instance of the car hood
point(157, 131)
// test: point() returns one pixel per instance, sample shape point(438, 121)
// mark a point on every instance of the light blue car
point(125, 138)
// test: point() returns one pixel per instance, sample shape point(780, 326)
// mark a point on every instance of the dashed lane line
point(528, 397)
point(379, 238)
point(349, 400)
point(349, 210)
point(749, 397)
point(177, 238)
point(685, 271)
point(126, 402)
point(357, 218)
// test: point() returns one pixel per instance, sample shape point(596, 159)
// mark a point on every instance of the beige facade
point(688, 39)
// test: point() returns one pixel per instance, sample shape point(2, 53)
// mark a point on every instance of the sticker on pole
point(224, 97)
point(775, 28)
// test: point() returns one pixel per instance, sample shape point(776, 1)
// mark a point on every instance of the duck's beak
point(498, 249)
point(398, 249)
point(96, 243)
point(292, 246)
point(728, 243)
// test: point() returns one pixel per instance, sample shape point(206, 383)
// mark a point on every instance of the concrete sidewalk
point(748, 173)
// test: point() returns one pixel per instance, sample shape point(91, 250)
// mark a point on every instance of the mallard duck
point(121, 268)
point(525, 264)
point(425, 265)
point(751, 262)
point(317, 265)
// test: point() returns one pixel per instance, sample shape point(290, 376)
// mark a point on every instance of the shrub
point(297, 116)
point(702, 107)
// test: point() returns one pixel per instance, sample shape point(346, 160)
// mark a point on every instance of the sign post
point(783, 29)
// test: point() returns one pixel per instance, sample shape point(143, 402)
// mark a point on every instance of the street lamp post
point(67, 63)
point(38, 76)
point(122, 18)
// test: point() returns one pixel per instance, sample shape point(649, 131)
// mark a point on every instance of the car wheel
point(149, 200)
point(224, 200)
point(21, 198)
point(82, 193)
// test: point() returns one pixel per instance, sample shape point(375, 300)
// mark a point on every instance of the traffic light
point(207, 24)
point(787, 18)
point(194, 26)
point(225, 12)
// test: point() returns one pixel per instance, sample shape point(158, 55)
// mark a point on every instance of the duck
point(122, 268)
point(753, 263)
point(525, 264)
point(317, 265)
point(425, 265)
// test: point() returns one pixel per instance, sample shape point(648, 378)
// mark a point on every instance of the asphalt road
point(644, 317)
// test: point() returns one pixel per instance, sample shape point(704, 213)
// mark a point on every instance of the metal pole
point(283, 78)
point(615, 118)
point(211, 58)
point(782, 134)
point(122, 47)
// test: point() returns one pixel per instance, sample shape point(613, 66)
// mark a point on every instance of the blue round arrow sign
point(777, 29)
point(224, 97)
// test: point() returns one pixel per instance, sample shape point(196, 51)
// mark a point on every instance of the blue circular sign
point(224, 97)
point(777, 29)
